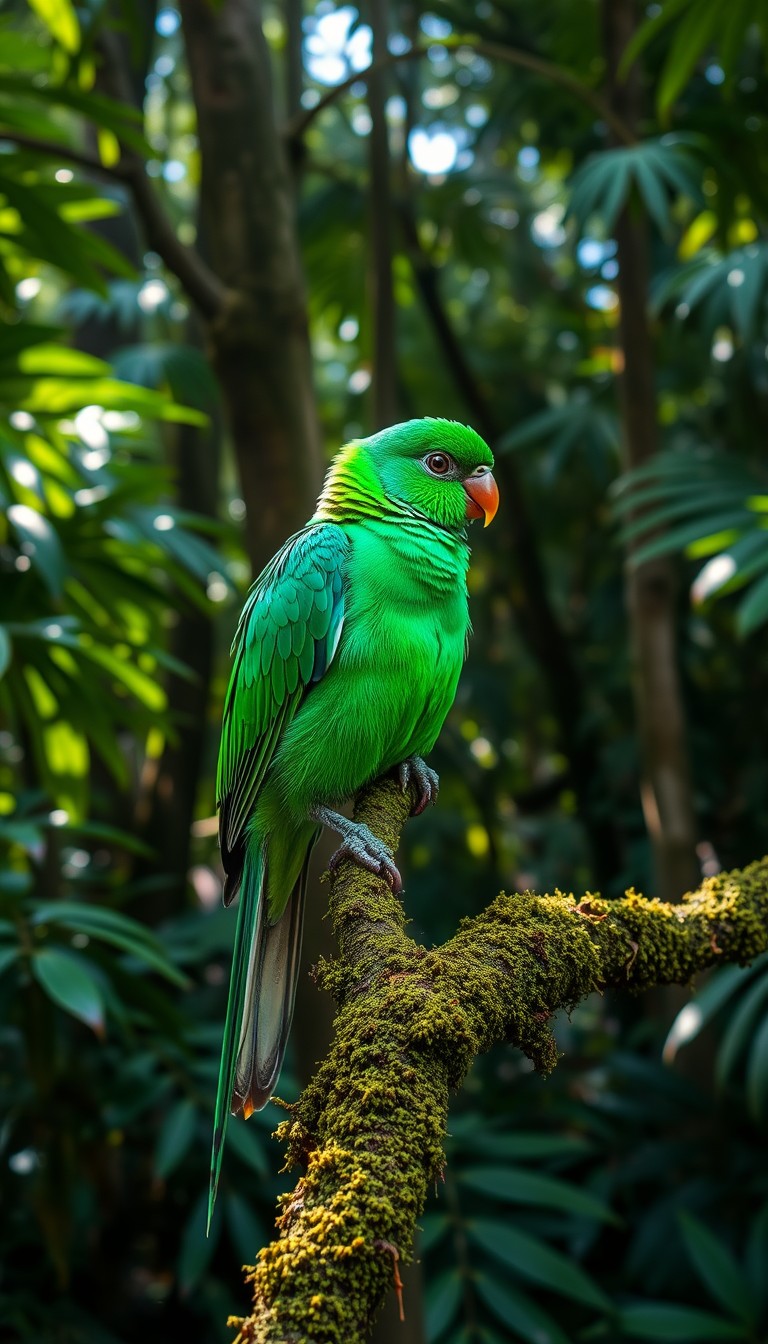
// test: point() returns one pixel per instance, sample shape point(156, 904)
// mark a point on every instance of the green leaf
point(46, 235)
point(523, 1146)
point(741, 1024)
point(536, 428)
point(753, 609)
point(8, 955)
point(705, 1004)
point(196, 1248)
point(717, 1269)
point(537, 1261)
point(246, 1230)
point(678, 538)
point(6, 651)
point(109, 927)
point(183, 368)
point(442, 1296)
point(602, 184)
point(433, 1227)
point(113, 835)
point(61, 21)
point(757, 1072)
point(68, 761)
point(175, 1137)
point(46, 396)
point(47, 358)
point(145, 688)
point(517, 1313)
point(653, 194)
point(122, 118)
point(646, 32)
point(665, 1321)
point(757, 1256)
point(68, 982)
point(691, 39)
point(514, 1185)
point(41, 543)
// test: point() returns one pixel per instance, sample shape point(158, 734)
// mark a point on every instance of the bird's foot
point(414, 770)
point(359, 844)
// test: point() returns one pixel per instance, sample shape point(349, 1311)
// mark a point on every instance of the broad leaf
point(60, 19)
point(537, 1261)
point(667, 1323)
point(717, 1269)
point(515, 1185)
point(520, 1316)
point(175, 1138)
point(68, 982)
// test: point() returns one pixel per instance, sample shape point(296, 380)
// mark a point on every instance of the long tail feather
point(270, 993)
point(262, 988)
point(250, 901)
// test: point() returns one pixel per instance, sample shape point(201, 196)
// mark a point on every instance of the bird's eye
point(438, 463)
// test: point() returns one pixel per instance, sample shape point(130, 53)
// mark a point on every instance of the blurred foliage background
point(548, 220)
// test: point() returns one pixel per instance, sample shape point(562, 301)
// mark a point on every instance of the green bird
point(346, 661)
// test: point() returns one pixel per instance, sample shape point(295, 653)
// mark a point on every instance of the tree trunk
point(650, 588)
point(259, 340)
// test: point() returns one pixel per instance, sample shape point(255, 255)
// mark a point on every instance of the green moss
point(368, 1130)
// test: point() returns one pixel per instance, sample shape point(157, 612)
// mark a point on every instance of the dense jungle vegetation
point(224, 253)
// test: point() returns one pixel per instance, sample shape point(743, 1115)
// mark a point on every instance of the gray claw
point(361, 846)
point(415, 770)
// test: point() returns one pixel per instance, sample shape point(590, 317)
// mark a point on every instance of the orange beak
point(482, 497)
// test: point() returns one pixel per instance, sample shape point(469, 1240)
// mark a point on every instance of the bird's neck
point(351, 491)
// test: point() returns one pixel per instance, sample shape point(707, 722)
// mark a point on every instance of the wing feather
point(286, 640)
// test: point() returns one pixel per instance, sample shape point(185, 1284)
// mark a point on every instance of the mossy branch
point(369, 1128)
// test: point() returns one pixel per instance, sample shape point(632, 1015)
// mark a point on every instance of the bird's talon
point(361, 846)
point(415, 770)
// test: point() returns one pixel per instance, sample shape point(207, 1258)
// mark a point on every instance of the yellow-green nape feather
point(351, 487)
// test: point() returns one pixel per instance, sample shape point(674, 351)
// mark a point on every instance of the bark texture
point(368, 1130)
point(258, 338)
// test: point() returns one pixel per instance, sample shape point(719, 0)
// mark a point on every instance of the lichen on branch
point(368, 1130)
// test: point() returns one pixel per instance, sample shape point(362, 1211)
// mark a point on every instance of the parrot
point(346, 661)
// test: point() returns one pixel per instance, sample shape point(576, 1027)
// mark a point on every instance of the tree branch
point(369, 1128)
point(197, 279)
point(52, 149)
point(495, 51)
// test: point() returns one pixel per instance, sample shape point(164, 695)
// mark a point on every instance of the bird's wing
point(286, 639)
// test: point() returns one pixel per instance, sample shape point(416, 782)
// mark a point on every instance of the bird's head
point(437, 467)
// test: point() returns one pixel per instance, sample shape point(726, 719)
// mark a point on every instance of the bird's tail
point(262, 988)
